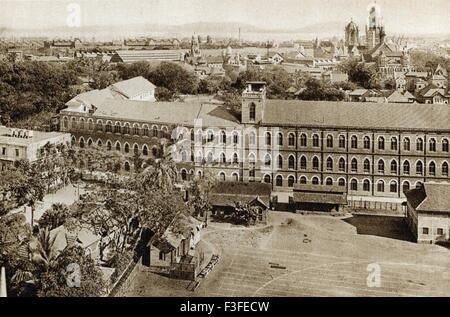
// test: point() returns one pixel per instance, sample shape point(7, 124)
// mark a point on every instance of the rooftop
point(133, 87)
point(37, 136)
point(357, 115)
point(431, 197)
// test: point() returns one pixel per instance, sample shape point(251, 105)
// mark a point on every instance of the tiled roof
point(133, 87)
point(181, 113)
point(356, 115)
point(431, 197)
point(320, 198)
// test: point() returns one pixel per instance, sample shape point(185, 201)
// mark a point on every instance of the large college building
point(371, 150)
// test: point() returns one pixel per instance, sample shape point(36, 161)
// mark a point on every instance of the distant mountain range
point(215, 29)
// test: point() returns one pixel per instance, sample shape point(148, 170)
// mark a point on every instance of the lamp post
point(3, 292)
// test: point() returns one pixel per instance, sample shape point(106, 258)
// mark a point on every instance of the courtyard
point(297, 255)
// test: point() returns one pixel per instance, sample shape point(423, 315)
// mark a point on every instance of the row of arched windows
point(144, 150)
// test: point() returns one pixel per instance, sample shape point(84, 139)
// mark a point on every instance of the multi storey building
point(19, 144)
point(374, 150)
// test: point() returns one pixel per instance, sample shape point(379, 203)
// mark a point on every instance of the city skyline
point(401, 16)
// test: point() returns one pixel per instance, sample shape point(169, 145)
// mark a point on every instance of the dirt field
point(314, 256)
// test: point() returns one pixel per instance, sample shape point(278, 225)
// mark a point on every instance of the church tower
point(253, 102)
point(195, 48)
point(351, 35)
point(375, 33)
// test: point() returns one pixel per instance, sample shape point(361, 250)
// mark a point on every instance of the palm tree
point(43, 251)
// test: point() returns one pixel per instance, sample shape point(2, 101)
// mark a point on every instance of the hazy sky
point(407, 16)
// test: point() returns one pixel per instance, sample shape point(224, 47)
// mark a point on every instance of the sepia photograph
point(211, 151)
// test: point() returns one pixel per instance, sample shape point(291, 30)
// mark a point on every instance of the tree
point(244, 214)
point(103, 79)
point(199, 196)
point(54, 283)
point(55, 216)
point(43, 250)
point(174, 77)
point(163, 94)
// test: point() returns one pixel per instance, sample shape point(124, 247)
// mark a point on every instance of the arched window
point(127, 166)
point(252, 138)
point(280, 162)
point(235, 138)
point(381, 143)
point(303, 140)
point(222, 177)
point(354, 185)
point(366, 185)
point(315, 181)
point(366, 143)
point(393, 187)
point(235, 177)
point(419, 144)
point(183, 175)
point(155, 151)
point(136, 149)
point(419, 168)
point(155, 131)
point(127, 148)
point(291, 181)
point(406, 186)
point(432, 145)
point(267, 160)
point(329, 164)
point(74, 123)
point(341, 182)
point(342, 142)
point(223, 158)
point(108, 146)
point(445, 169)
point(209, 158)
point(432, 169)
point(366, 166)
point(342, 165)
point(394, 144)
point(380, 187)
point(81, 142)
point(330, 141)
point(145, 131)
point(291, 139)
point(81, 124)
point(291, 162)
point(354, 142)
point(117, 127)
point(99, 126)
point(315, 163)
point(268, 139)
point(223, 137)
point(252, 112)
point(90, 124)
point(406, 144)
point(303, 180)
point(267, 179)
point(419, 185)
point(126, 128)
point(99, 143)
point(394, 167)
point(108, 127)
point(209, 136)
point(303, 163)
point(329, 181)
point(90, 142)
point(381, 166)
point(445, 145)
point(406, 168)
point(354, 166)
point(136, 129)
point(235, 158)
point(279, 181)
point(280, 139)
point(145, 150)
point(315, 140)
point(65, 123)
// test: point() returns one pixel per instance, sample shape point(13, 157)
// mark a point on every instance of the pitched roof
point(356, 115)
point(182, 113)
point(431, 197)
point(228, 193)
point(133, 87)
